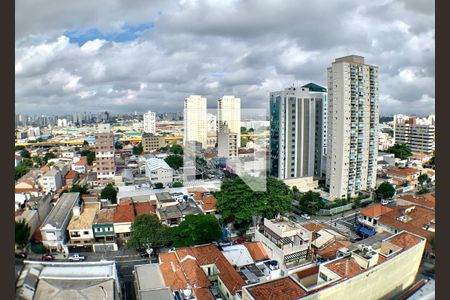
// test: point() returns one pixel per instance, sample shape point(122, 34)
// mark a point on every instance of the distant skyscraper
point(195, 120)
point(229, 112)
point(104, 154)
point(352, 126)
point(296, 133)
point(150, 122)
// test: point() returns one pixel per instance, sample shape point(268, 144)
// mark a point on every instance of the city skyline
point(126, 62)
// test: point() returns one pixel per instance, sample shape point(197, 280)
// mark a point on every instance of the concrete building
point(54, 228)
point(51, 181)
point(151, 142)
point(227, 143)
point(418, 134)
point(352, 127)
point(149, 283)
point(158, 171)
point(363, 272)
point(81, 234)
point(103, 227)
point(286, 242)
point(296, 116)
point(195, 120)
point(80, 164)
point(104, 154)
point(150, 122)
point(229, 113)
point(66, 280)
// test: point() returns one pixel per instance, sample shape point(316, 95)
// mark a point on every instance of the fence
point(334, 210)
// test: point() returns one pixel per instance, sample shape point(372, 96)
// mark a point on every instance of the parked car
point(225, 244)
point(22, 255)
point(48, 257)
point(387, 201)
point(76, 257)
point(305, 216)
point(240, 240)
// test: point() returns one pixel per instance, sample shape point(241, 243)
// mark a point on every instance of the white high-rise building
point(195, 120)
point(150, 122)
point(352, 127)
point(229, 112)
point(417, 133)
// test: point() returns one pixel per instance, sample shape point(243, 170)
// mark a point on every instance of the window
point(85, 232)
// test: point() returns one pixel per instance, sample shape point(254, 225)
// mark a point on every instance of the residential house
point(27, 188)
point(62, 166)
point(149, 283)
point(51, 181)
point(286, 242)
point(80, 164)
point(158, 171)
point(362, 273)
point(173, 215)
point(123, 219)
point(405, 174)
point(80, 226)
point(426, 200)
point(369, 218)
point(54, 228)
point(103, 227)
point(71, 178)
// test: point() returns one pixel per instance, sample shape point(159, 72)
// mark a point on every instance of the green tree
point(109, 192)
point(174, 161)
point(423, 191)
point(238, 201)
point(159, 185)
point(90, 156)
point(422, 179)
point(177, 184)
point(400, 151)
point(243, 130)
point(25, 153)
point(78, 189)
point(196, 230)
point(146, 229)
point(38, 161)
point(48, 156)
point(85, 144)
point(176, 149)
point(311, 202)
point(27, 162)
point(22, 233)
point(385, 190)
point(21, 170)
point(137, 150)
point(432, 161)
point(118, 146)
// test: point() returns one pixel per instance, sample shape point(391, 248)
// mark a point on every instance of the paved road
point(125, 270)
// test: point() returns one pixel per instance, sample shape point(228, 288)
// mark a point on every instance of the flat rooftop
point(61, 210)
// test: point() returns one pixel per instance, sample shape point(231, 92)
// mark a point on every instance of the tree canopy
point(196, 230)
point(90, 156)
point(109, 192)
point(78, 189)
point(48, 156)
point(422, 179)
point(146, 229)
point(25, 153)
point(159, 185)
point(400, 151)
point(238, 201)
point(177, 184)
point(174, 161)
point(137, 150)
point(22, 233)
point(311, 202)
point(385, 190)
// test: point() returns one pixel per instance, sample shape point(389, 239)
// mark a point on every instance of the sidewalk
point(121, 254)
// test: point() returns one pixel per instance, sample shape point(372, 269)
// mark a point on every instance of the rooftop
point(144, 208)
point(346, 267)
point(71, 174)
point(425, 200)
point(104, 215)
point(375, 211)
point(257, 251)
point(402, 172)
point(85, 219)
point(124, 212)
point(156, 163)
point(281, 289)
point(61, 210)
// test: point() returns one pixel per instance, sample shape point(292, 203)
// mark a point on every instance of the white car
point(76, 257)
point(387, 202)
point(305, 216)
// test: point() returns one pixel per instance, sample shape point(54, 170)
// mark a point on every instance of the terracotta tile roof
point(345, 267)
point(426, 200)
point(375, 210)
point(85, 220)
point(105, 215)
point(37, 235)
point(172, 272)
point(82, 161)
point(45, 168)
point(203, 294)
point(402, 172)
point(381, 259)
point(124, 212)
point(404, 240)
point(210, 254)
point(209, 203)
point(329, 252)
point(257, 251)
point(30, 190)
point(194, 274)
point(197, 189)
point(144, 208)
point(313, 227)
point(281, 289)
point(71, 174)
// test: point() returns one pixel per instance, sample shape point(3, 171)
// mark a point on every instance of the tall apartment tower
point(296, 133)
point(352, 127)
point(150, 122)
point(195, 120)
point(229, 113)
point(104, 154)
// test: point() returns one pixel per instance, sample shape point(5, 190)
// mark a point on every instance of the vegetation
point(39, 162)
point(385, 190)
point(196, 230)
point(25, 153)
point(423, 191)
point(22, 233)
point(118, 146)
point(48, 156)
point(78, 189)
point(21, 169)
point(147, 230)
point(400, 151)
point(137, 150)
point(159, 185)
point(174, 161)
point(109, 192)
point(27, 162)
point(237, 201)
point(423, 178)
point(172, 148)
point(90, 156)
point(38, 249)
point(311, 202)
point(177, 184)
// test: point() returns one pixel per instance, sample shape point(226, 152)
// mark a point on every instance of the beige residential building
point(104, 154)
point(227, 143)
point(352, 127)
point(195, 120)
point(229, 113)
point(151, 142)
point(418, 134)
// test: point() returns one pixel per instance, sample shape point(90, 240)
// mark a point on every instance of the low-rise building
point(51, 181)
point(149, 283)
point(80, 164)
point(158, 171)
point(103, 227)
point(80, 227)
point(405, 174)
point(54, 228)
point(71, 178)
point(123, 219)
point(151, 142)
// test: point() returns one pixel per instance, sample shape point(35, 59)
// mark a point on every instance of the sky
point(126, 56)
